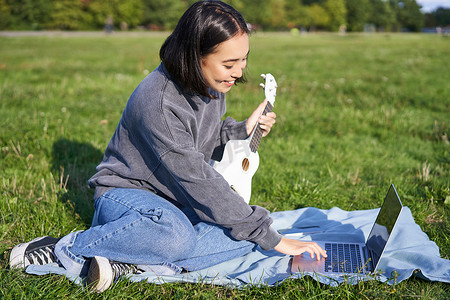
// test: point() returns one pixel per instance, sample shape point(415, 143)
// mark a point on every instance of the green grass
point(355, 113)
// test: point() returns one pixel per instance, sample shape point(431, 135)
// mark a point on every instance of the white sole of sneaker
point(100, 275)
point(17, 256)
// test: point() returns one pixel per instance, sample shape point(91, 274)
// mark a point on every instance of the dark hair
point(199, 31)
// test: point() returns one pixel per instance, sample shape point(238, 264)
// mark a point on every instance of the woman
point(159, 205)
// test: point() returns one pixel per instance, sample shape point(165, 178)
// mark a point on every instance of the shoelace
point(121, 269)
point(41, 256)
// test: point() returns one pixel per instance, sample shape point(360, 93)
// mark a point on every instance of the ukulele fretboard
point(257, 135)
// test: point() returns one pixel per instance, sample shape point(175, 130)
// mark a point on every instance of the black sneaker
point(39, 251)
point(103, 272)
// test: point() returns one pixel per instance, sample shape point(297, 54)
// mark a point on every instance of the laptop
point(355, 258)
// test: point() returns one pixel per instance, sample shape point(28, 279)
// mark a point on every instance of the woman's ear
point(202, 62)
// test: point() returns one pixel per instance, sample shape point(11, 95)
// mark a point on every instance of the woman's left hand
point(265, 122)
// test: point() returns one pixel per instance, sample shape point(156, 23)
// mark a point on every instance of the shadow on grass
point(75, 162)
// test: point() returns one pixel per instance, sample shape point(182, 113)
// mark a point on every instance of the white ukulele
point(240, 159)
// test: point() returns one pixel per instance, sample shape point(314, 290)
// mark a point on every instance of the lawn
point(355, 113)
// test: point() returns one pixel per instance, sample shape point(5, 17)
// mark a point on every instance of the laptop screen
point(379, 235)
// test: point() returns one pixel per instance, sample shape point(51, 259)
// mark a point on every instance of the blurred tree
point(430, 20)
point(382, 15)
point(277, 16)
point(163, 13)
point(296, 13)
point(237, 4)
point(317, 17)
point(129, 12)
point(337, 11)
point(68, 15)
point(442, 16)
point(311, 2)
point(28, 14)
point(256, 12)
point(5, 15)
point(357, 14)
point(408, 14)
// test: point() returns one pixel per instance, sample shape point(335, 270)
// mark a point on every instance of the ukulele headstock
point(270, 87)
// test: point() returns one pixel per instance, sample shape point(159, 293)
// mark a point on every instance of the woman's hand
point(265, 122)
point(296, 247)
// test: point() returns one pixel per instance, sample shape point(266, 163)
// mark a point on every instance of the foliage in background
point(163, 13)
point(395, 15)
point(382, 15)
point(337, 11)
point(439, 17)
point(357, 14)
point(68, 15)
point(407, 14)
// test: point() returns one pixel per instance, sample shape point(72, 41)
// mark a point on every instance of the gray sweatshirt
point(163, 143)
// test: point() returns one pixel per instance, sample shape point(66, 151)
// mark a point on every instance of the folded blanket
point(408, 252)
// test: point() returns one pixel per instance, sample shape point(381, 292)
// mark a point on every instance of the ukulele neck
point(258, 132)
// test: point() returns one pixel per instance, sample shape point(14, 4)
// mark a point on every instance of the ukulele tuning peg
point(261, 85)
point(263, 76)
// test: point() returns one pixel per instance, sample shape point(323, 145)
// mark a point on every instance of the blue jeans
point(138, 227)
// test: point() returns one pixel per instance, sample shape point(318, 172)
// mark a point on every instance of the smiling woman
point(159, 205)
point(226, 64)
point(200, 31)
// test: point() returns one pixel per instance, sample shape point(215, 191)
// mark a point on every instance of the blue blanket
point(409, 252)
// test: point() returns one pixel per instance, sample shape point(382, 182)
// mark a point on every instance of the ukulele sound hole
point(245, 164)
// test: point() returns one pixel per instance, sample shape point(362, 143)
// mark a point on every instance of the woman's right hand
point(296, 247)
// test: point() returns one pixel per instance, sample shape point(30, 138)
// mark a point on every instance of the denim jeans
point(138, 227)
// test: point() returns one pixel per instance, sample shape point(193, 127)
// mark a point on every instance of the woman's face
point(222, 67)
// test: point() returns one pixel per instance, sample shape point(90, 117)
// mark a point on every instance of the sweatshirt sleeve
point(209, 195)
point(233, 130)
point(201, 188)
point(230, 129)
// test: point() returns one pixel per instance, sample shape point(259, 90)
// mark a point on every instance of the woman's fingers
point(296, 247)
point(266, 122)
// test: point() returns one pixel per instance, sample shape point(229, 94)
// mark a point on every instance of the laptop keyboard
point(345, 258)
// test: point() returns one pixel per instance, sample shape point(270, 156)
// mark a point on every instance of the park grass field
point(355, 113)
